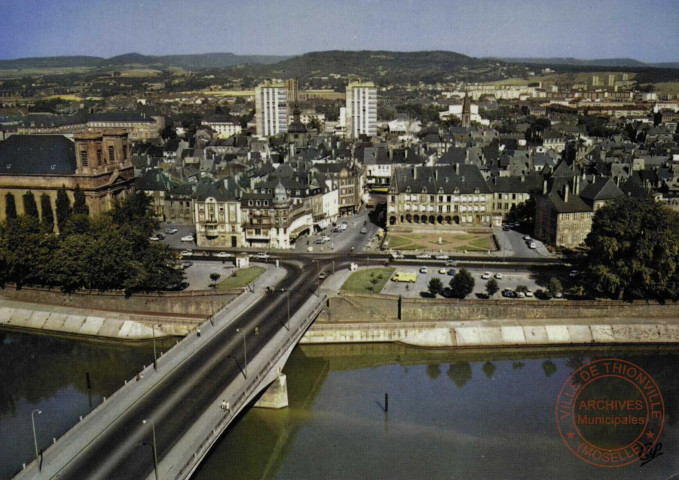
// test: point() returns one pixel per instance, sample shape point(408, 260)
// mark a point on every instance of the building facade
point(361, 109)
point(271, 109)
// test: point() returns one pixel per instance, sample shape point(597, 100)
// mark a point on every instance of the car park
point(486, 275)
point(498, 275)
point(423, 256)
point(423, 269)
point(442, 257)
point(187, 238)
point(170, 231)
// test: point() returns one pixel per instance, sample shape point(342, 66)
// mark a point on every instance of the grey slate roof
point(422, 179)
point(514, 184)
point(37, 155)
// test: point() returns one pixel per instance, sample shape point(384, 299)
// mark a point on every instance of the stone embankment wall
point(380, 308)
point(198, 303)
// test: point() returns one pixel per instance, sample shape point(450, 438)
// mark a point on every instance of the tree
point(63, 205)
point(554, 286)
point(460, 373)
point(488, 369)
point(633, 251)
point(10, 206)
point(47, 222)
point(549, 368)
point(435, 286)
point(30, 207)
point(523, 212)
point(492, 287)
point(79, 202)
point(462, 284)
point(214, 276)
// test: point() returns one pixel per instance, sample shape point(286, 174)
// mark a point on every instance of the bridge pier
point(276, 395)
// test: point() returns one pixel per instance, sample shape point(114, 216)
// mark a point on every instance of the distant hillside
point(602, 62)
point(376, 64)
point(189, 62)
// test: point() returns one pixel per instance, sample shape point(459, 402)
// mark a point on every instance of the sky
point(647, 30)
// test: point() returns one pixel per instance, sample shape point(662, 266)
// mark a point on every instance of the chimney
point(436, 174)
point(544, 187)
point(565, 193)
point(457, 169)
point(523, 178)
point(414, 173)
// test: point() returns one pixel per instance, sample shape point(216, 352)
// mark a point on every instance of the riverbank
point(500, 333)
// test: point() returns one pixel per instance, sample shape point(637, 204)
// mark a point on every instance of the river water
point(451, 415)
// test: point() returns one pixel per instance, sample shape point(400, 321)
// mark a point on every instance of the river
point(451, 415)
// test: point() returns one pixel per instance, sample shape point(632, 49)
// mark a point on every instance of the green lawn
point(240, 278)
point(360, 281)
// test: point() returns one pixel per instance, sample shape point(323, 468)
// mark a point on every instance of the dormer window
point(53, 167)
point(476, 190)
point(456, 191)
point(407, 189)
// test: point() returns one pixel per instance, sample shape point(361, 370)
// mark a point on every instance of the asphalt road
point(180, 399)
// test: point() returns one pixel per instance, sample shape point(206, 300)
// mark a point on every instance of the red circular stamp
point(610, 413)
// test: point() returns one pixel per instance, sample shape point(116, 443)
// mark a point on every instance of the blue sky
point(647, 30)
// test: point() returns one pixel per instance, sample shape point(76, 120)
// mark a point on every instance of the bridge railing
point(291, 339)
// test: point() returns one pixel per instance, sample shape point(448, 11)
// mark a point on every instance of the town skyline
point(609, 29)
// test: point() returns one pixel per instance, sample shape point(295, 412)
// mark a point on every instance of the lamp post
point(245, 351)
point(155, 356)
point(155, 452)
point(35, 437)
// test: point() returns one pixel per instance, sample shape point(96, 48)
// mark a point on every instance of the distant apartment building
point(361, 110)
point(271, 109)
point(224, 126)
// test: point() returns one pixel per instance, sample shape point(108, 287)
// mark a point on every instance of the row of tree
point(108, 252)
point(64, 210)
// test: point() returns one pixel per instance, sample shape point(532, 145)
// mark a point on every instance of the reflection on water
point(492, 415)
point(49, 374)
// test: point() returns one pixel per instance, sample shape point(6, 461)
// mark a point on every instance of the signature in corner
point(647, 454)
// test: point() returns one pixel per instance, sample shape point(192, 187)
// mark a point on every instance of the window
point(83, 157)
point(111, 154)
point(98, 156)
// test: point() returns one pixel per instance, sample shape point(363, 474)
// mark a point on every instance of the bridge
point(163, 422)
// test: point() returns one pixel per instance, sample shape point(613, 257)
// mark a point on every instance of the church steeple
point(466, 111)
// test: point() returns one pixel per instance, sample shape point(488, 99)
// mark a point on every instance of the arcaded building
point(99, 163)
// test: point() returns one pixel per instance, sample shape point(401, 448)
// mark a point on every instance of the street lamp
point(35, 437)
point(155, 451)
point(245, 351)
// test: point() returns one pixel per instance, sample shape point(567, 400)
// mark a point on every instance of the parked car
point(452, 272)
point(187, 238)
point(527, 238)
point(423, 269)
point(529, 293)
point(322, 276)
point(532, 245)
point(520, 294)
point(262, 255)
point(558, 295)
point(450, 263)
point(443, 271)
point(319, 241)
point(505, 227)
point(498, 275)
point(154, 238)
point(442, 256)
point(186, 253)
point(170, 231)
point(223, 255)
point(574, 273)
point(396, 255)
point(187, 264)
point(423, 256)
point(508, 293)
point(486, 275)
point(364, 230)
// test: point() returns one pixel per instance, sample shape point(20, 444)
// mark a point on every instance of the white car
point(423, 256)
point(529, 293)
point(170, 231)
point(532, 245)
point(223, 255)
point(187, 238)
point(423, 269)
point(498, 275)
point(443, 271)
point(526, 238)
point(397, 255)
point(154, 238)
point(186, 253)
point(486, 275)
point(262, 255)
point(443, 256)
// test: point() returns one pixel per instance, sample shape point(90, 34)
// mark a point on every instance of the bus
point(404, 277)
